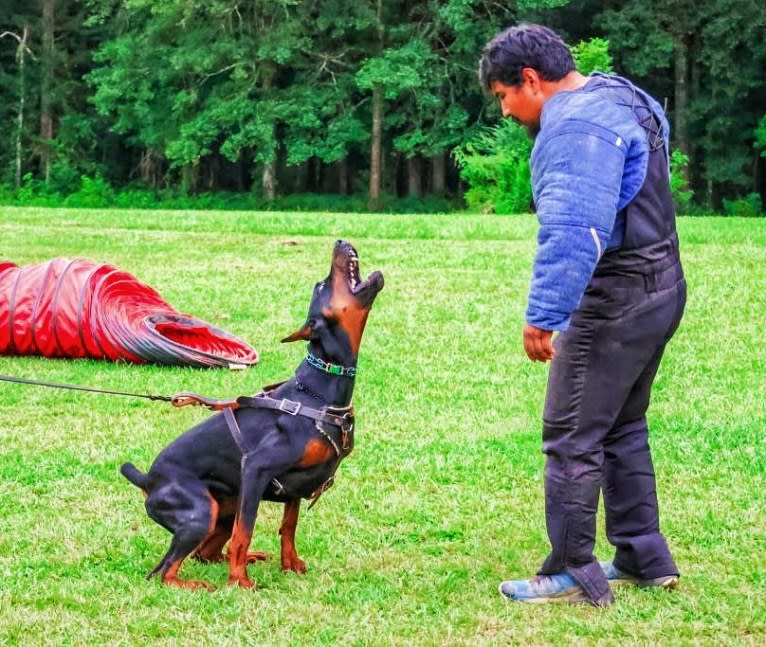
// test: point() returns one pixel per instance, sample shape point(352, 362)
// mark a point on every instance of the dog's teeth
point(352, 270)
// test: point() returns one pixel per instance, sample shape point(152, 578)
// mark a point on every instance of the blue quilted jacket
point(589, 161)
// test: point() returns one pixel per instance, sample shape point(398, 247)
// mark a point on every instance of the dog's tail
point(136, 477)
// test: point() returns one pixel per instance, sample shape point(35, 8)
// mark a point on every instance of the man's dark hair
point(524, 45)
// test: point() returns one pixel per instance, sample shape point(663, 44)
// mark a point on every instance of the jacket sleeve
point(576, 172)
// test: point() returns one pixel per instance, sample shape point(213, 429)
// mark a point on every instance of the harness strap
point(260, 401)
point(346, 445)
point(236, 432)
point(263, 401)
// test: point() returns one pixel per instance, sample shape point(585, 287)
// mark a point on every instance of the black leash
point(74, 387)
point(343, 419)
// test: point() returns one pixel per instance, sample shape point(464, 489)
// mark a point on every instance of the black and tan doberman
point(282, 444)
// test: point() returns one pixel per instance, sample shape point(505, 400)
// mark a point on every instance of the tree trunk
point(413, 176)
point(46, 90)
point(21, 57)
point(317, 168)
point(376, 144)
point(149, 168)
point(213, 172)
point(439, 174)
point(269, 177)
point(681, 60)
point(189, 179)
point(376, 148)
point(269, 181)
point(240, 179)
point(343, 176)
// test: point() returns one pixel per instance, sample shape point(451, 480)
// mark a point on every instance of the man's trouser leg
point(615, 337)
point(629, 486)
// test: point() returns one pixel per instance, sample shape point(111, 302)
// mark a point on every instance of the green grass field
point(442, 497)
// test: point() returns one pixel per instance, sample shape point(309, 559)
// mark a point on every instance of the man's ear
point(531, 76)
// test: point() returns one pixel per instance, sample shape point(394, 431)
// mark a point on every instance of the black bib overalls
point(595, 434)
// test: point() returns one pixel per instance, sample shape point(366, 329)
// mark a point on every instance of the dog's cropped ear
point(311, 330)
point(302, 333)
point(305, 332)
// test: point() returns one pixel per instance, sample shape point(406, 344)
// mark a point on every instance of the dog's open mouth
point(346, 257)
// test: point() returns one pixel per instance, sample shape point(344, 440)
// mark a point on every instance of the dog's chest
point(305, 482)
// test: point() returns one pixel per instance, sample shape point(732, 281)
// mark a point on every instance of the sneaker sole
point(669, 582)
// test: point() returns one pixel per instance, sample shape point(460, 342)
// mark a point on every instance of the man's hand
point(538, 343)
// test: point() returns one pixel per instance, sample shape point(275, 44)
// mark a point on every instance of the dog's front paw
point(243, 580)
point(294, 564)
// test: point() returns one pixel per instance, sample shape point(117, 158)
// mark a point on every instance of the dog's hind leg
point(290, 559)
point(191, 515)
point(210, 551)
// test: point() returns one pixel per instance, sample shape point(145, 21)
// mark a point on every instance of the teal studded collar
point(332, 369)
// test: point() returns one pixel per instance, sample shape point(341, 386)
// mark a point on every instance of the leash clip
point(185, 398)
point(347, 429)
point(347, 424)
point(284, 405)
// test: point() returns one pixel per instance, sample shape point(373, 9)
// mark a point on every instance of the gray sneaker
point(544, 588)
point(615, 576)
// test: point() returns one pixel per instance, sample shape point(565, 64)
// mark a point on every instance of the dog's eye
point(319, 286)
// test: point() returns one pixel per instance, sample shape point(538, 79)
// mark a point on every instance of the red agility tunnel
point(76, 308)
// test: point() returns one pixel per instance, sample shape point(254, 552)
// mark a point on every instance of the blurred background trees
point(356, 103)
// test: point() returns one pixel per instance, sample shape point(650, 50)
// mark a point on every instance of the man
point(607, 276)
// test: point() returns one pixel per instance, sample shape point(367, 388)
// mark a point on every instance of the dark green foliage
point(760, 136)
point(495, 164)
point(274, 97)
point(592, 56)
point(748, 206)
point(679, 181)
point(683, 52)
point(96, 193)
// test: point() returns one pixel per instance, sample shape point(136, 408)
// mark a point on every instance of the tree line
point(370, 98)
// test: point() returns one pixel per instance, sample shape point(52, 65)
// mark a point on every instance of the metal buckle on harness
point(278, 487)
point(347, 429)
point(284, 405)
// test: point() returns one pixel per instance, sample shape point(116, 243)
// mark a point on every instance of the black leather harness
point(334, 424)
